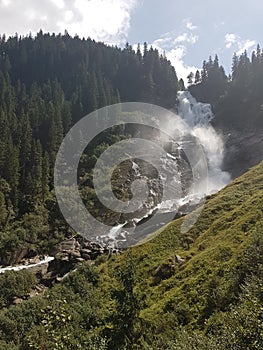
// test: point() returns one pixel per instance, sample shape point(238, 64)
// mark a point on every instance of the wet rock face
point(174, 171)
point(131, 171)
point(243, 150)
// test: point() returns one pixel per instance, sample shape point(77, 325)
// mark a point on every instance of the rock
point(63, 256)
point(48, 279)
point(243, 150)
point(87, 245)
point(69, 254)
point(96, 246)
point(40, 270)
point(59, 267)
point(179, 259)
point(86, 254)
point(69, 244)
point(17, 301)
point(162, 272)
point(74, 254)
point(17, 256)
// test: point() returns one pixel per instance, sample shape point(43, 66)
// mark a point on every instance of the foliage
point(15, 285)
point(47, 83)
point(236, 97)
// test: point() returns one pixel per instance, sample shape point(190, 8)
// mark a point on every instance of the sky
point(187, 31)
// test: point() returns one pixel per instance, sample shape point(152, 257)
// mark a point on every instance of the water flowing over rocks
point(194, 137)
point(67, 256)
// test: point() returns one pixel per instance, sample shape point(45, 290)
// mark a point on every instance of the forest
point(47, 84)
point(139, 299)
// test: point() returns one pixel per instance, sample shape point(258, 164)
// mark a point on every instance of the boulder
point(86, 253)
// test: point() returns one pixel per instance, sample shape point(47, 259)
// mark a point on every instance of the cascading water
point(193, 126)
point(193, 112)
point(198, 116)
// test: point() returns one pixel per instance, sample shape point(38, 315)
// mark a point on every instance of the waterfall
point(193, 135)
point(193, 112)
point(198, 116)
point(189, 132)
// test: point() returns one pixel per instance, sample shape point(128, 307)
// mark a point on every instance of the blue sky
point(188, 31)
point(205, 28)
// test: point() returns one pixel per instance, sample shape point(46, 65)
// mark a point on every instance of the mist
point(198, 116)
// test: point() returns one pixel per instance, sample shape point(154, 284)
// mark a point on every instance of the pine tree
point(181, 85)
point(25, 145)
point(190, 78)
point(45, 176)
point(197, 77)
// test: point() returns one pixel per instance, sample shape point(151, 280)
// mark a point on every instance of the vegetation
point(145, 298)
point(15, 285)
point(211, 301)
point(47, 83)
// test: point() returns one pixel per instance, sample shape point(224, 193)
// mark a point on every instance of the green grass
point(210, 278)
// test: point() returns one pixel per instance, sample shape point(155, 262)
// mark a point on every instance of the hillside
point(196, 290)
point(209, 297)
point(47, 84)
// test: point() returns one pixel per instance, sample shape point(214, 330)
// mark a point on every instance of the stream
point(26, 266)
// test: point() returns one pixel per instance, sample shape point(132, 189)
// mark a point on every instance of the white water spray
point(193, 117)
point(198, 117)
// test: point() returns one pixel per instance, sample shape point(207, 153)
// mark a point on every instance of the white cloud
point(103, 20)
point(59, 3)
point(6, 2)
point(189, 25)
point(175, 47)
point(186, 38)
point(230, 39)
point(176, 56)
point(235, 42)
point(246, 45)
point(169, 40)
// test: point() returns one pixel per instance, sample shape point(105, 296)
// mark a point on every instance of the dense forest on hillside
point(199, 290)
point(48, 83)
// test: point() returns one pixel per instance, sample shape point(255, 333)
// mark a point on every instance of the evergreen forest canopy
point(48, 83)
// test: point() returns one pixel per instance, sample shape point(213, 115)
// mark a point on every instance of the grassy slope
point(213, 270)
